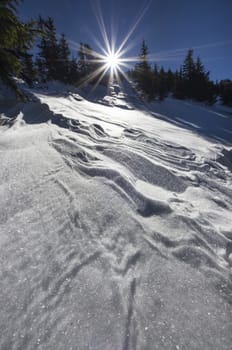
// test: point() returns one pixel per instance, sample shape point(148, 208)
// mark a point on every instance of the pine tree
point(143, 72)
point(170, 79)
point(82, 62)
point(162, 84)
point(204, 89)
point(155, 81)
point(73, 75)
point(16, 38)
point(179, 85)
point(63, 63)
point(225, 88)
point(48, 56)
point(188, 66)
point(188, 70)
point(28, 72)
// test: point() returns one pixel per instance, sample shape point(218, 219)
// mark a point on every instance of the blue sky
point(168, 26)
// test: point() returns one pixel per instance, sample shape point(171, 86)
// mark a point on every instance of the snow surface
point(115, 222)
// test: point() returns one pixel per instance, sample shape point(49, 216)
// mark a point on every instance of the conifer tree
point(188, 69)
point(16, 38)
point(155, 81)
point(188, 66)
point(204, 89)
point(170, 78)
point(179, 88)
point(200, 81)
point(73, 75)
point(162, 84)
point(225, 88)
point(28, 72)
point(82, 62)
point(48, 56)
point(143, 72)
point(63, 63)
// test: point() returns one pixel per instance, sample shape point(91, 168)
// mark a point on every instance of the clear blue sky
point(167, 26)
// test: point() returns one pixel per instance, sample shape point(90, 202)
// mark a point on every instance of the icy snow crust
point(115, 223)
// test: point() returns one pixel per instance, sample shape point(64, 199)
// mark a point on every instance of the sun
point(112, 61)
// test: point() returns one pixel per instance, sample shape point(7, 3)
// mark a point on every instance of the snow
point(115, 222)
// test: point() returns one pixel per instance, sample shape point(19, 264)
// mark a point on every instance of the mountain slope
point(115, 225)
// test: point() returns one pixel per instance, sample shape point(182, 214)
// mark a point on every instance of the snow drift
point(115, 223)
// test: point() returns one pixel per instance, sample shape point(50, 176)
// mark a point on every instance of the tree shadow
point(207, 121)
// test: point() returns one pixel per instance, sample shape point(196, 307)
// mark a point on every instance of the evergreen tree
point(200, 82)
point(73, 75)
point(179, 88)
point(16, 38)
point(143, 72)
point(162, 84)
point(82, 62)
point(63, 63)
point(225, 88)
point(155, 81)
point(188, 70)
point(48, 56)
point(212, 93)
point(204, 89)
point(170, 80)
point(28, 72)
point(188, 66)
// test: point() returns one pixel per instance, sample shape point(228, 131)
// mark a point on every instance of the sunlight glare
point(112, 61)
point(111, 56)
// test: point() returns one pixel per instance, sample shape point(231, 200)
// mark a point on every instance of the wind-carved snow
point(115, 227)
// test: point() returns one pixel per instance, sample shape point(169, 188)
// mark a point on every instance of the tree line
point(190, 81)
point(53, 61)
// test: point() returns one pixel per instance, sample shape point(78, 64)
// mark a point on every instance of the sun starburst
point(112, 60)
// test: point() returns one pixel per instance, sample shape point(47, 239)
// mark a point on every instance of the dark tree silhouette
point(143, 73)
point(48, 56)
point(16, 38)
point(225, 90)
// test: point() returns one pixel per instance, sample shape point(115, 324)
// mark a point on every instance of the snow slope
point(115, 223)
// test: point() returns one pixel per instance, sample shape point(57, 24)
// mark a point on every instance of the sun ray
point(130, 32)
point(93, 75)
point(102, 27)
point(99, 79)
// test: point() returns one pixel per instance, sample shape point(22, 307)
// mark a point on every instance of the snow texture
point(115, 222)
